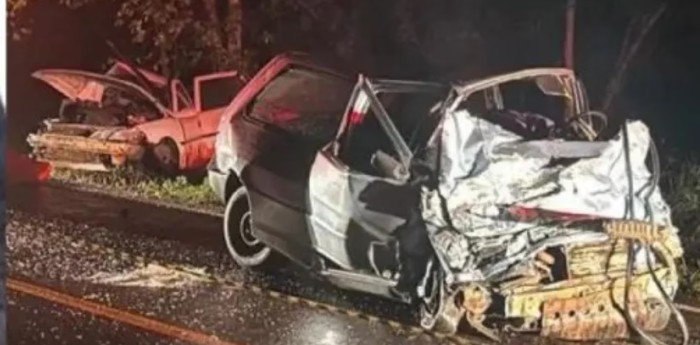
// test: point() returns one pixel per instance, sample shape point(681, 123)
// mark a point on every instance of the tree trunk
point(224, 17)
point(233, 28)
point(569, 36)
point(630, 47)
point(213, 18)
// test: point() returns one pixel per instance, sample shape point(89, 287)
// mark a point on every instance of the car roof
point(323, 63)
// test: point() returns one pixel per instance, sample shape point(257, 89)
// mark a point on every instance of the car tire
point(165, 158)
point(196, 177)
point(246, 250)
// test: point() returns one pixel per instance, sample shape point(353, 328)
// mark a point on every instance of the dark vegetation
point(637, 57)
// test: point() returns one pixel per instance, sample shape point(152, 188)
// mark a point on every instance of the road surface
point(90, 269)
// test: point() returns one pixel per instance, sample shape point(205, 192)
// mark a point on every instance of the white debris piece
point(152, 276)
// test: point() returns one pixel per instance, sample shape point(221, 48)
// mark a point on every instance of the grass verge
point(135, 184)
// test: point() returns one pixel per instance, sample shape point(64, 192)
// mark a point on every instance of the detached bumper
point(82, 153)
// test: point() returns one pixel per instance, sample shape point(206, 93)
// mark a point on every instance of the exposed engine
point(117, 108)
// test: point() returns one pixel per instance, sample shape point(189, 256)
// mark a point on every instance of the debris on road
point(151, 276)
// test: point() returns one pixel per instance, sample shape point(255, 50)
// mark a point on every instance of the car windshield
point(531, 108)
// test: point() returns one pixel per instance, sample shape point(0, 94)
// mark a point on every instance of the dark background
point(454, 39)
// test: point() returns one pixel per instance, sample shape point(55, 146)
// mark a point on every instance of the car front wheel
point(245, 249)
point(163, 158)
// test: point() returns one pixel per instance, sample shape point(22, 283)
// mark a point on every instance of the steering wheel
point(588, 124)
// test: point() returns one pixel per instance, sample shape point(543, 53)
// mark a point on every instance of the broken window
point(303, 102)
point(525, 96)
point(363, 138)
point(218, 92)
point(413, 114)
point(533, 108)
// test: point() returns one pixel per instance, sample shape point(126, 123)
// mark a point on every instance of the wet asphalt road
point(171, 267)
point(124, 272)
point(34, 321)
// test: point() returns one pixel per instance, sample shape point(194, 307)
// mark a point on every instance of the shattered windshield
point(533, 108)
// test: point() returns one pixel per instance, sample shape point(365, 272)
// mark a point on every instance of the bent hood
point(87, 86)
point(479, 159)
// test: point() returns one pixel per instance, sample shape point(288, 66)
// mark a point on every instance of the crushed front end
point(86, 147)
point(541, 225)
point(543, 237)
point(96, 127)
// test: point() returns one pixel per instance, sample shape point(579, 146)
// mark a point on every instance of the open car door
point(359, 189)
point(216, 90)
point(212, 93)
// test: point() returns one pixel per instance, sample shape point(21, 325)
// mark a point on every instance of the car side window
point(303, 102)
point(363, 138)
point(410, 113)
point(218, 92)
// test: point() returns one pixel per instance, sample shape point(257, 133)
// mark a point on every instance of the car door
point(358, 191)
point(212, 93)
point(278, 134)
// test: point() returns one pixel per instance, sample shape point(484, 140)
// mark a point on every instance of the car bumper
point(77, 152)
point(217, 181)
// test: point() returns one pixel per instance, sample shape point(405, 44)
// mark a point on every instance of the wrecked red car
point(132, 116)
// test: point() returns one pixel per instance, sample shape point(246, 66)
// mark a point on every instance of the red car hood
point(88, 86)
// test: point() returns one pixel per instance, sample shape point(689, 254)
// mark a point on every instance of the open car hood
point(81, 85)
point(122, 69)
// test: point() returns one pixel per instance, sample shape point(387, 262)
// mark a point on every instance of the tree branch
point(627, 55)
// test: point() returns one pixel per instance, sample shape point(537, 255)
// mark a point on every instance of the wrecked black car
point(494, 203)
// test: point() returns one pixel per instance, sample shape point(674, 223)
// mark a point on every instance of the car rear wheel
point(245, 249)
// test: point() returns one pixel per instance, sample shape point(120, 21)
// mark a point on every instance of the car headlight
point(131, 136)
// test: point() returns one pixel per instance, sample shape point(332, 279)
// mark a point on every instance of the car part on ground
point(109, 120)
point(495, 203)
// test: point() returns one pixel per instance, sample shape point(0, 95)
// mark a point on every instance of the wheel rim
point(245, 249)
point(246, 231)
